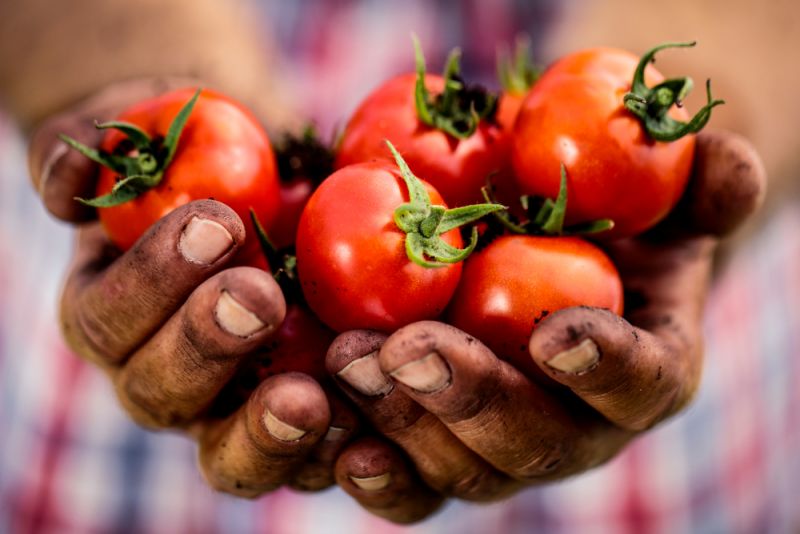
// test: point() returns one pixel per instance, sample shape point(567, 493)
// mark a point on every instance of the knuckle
point(478, 485)
point(145, 405)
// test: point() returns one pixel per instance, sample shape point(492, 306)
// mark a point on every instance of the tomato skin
point(223, 153)
point(293, 194)
point(351, 257)
point(456, 168)
point(516, 281)
point(574, 115)
point(299, 345)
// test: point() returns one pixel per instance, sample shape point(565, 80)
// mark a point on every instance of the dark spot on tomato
point(239, 485)
point(635, 335)
point(658, 375)
point(470, 340)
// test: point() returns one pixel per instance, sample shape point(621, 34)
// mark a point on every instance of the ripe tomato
point(516, 281)
point(457, 168)
point(351, 256)
point(222, 153)
point(303, 162)
point(574, 115)
point(300, 345)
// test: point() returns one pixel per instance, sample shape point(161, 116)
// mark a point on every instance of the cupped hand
point(476, 428)
point(170, 323)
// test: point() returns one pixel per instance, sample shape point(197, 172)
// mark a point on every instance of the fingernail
point(280, 430)
point(426, 375)
point(335, 433)
point(52, 159)
point(365, 375)
point(235, 318)
point(372, 483)
point(204, 241)
point(579, 359)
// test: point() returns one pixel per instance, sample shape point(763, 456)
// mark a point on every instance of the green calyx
point(546, 216)
point(304, 156)
point(145, 168)
point(652, 104)
point(424, 224)
point(282, 263)
point(517, 73)
point(458, 109)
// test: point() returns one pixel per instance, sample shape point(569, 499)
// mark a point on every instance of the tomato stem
point(459, 108)
point(517, 74)
point(652, 104)
point(424, 224)
point(142, 170)
point(546, 216)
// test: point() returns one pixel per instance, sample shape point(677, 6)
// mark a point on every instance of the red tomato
point(223, 153)
point(294, 194)
point(299, 345)
point(303, 162)
point(574, 115)
point(456, 168)
point(351, 256)
point(516, 281)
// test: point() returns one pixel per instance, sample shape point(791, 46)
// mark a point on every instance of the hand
point(170, 326)
point(476, 428)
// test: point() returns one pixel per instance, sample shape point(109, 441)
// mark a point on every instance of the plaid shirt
point(72, 462)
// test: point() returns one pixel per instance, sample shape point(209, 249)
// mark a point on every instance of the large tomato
point(222, 153)
point(575, 115)
point(457, 168)
point(351, 255)
point(516, 281)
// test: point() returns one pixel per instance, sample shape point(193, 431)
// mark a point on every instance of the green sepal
point(554, 224)
point(136, 135)
point(424, 224)
point(652, 104)
point(176, 128)
point(517, 74)
point(458, 109)
point(282, 263)
point(120, 164)
point(116, 197)
point(547, 216)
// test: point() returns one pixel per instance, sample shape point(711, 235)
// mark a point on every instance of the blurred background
point(729, 464)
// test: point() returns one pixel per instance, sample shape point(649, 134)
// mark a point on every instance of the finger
point(635, 373)
point(178, 372)
point(443, 462)
point(60, 174)
point(486, 403)
point(318, 471)
point(259, 447)
point(728, 185)
point(639, 371)
point(107, 310)
point(377, 476)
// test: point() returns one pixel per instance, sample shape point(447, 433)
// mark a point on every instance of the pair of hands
point(409, 419)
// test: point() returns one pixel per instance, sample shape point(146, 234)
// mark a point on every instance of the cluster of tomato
point(598, 144)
